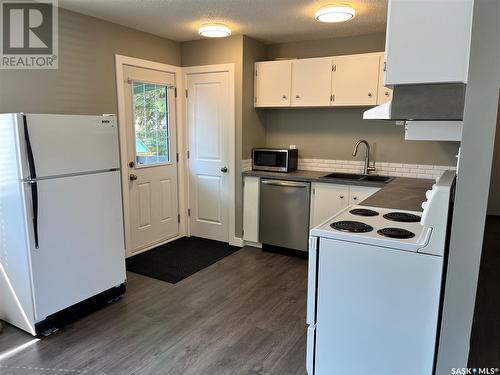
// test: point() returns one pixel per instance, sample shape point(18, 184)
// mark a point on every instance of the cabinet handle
point(284, 96)
point(341, 197)
point(386, 93)
point(354, 198)
point(369, 94)
point(297, 96)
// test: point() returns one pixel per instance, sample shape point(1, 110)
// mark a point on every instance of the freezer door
point(81, 247)
point(67, 144)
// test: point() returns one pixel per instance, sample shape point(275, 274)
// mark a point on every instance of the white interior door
point(209, 119)
point(152, 158)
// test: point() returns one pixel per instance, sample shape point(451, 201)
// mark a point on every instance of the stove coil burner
point(402, 217)
point(399, 233)
point(351, 226)
point(363, 212)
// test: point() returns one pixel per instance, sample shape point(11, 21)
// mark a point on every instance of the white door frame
point(120, 61)
point(218, 68)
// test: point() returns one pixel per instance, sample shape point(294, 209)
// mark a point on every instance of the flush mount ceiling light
point(335, 13)
point(214, 30)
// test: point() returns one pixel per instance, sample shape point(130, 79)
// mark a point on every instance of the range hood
point(422, 102)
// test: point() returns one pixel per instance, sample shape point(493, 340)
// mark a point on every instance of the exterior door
point(209, 119)
point(152, 157)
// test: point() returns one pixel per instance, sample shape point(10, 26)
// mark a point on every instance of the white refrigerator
point(61, 226)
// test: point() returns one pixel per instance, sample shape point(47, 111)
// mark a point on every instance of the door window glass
point(152, 135)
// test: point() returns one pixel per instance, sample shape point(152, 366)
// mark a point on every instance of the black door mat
point(179, 259)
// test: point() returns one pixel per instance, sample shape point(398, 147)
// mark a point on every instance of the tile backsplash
point(356, 166)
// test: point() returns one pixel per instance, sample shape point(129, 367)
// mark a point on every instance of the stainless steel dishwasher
point(284, 213)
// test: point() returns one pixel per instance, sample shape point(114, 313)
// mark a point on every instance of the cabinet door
point(355, 80)
point(384, 93)
point(273, 83)
point(251, 209)
point(420, 49)
point(327, 200)
point(357, 194)
point(311, 82)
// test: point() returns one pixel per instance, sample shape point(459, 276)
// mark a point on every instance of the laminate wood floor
point(242, 315)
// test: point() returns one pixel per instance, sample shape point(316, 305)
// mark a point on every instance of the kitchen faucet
point(367, 168)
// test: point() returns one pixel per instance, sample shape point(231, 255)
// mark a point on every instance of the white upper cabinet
point(428, 41)
point(311, 84)
point(273, 82)
point(384, 94)
point(355, 79)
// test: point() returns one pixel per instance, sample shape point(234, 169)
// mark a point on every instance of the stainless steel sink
point(345, 176)
point(359, 177)
point(377, 178)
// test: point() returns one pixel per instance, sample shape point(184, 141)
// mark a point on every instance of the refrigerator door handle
point(32, 180)
point(34, 202)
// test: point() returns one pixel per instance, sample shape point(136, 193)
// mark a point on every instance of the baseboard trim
point(253, 244)
point(237, 241)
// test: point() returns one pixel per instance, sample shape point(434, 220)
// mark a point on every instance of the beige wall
point(223, 51)
point(331, 133)
point(85, 80)
point(328, 47)
point(323, 133)
point(254, 130)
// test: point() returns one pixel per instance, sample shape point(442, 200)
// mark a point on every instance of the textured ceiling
point(271, 21)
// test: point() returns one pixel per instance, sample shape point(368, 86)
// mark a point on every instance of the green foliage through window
point(151, 123)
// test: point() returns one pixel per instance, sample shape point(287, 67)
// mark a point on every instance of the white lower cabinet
point(328, 199)
point(360, 193)
point(251, 193)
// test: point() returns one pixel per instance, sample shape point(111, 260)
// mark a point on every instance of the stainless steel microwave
point(274, 159)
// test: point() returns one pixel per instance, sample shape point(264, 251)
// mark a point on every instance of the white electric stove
point(374, 292)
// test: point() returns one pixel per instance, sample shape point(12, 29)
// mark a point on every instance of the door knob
point(133, 177)
point(223, 169)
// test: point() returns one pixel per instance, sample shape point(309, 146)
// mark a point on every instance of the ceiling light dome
point(335, 13)
point(214, 30)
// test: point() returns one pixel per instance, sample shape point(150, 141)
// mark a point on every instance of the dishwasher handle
point(285, 183)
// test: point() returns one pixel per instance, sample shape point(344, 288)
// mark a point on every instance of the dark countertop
point(400, 193)
point(311, 176)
